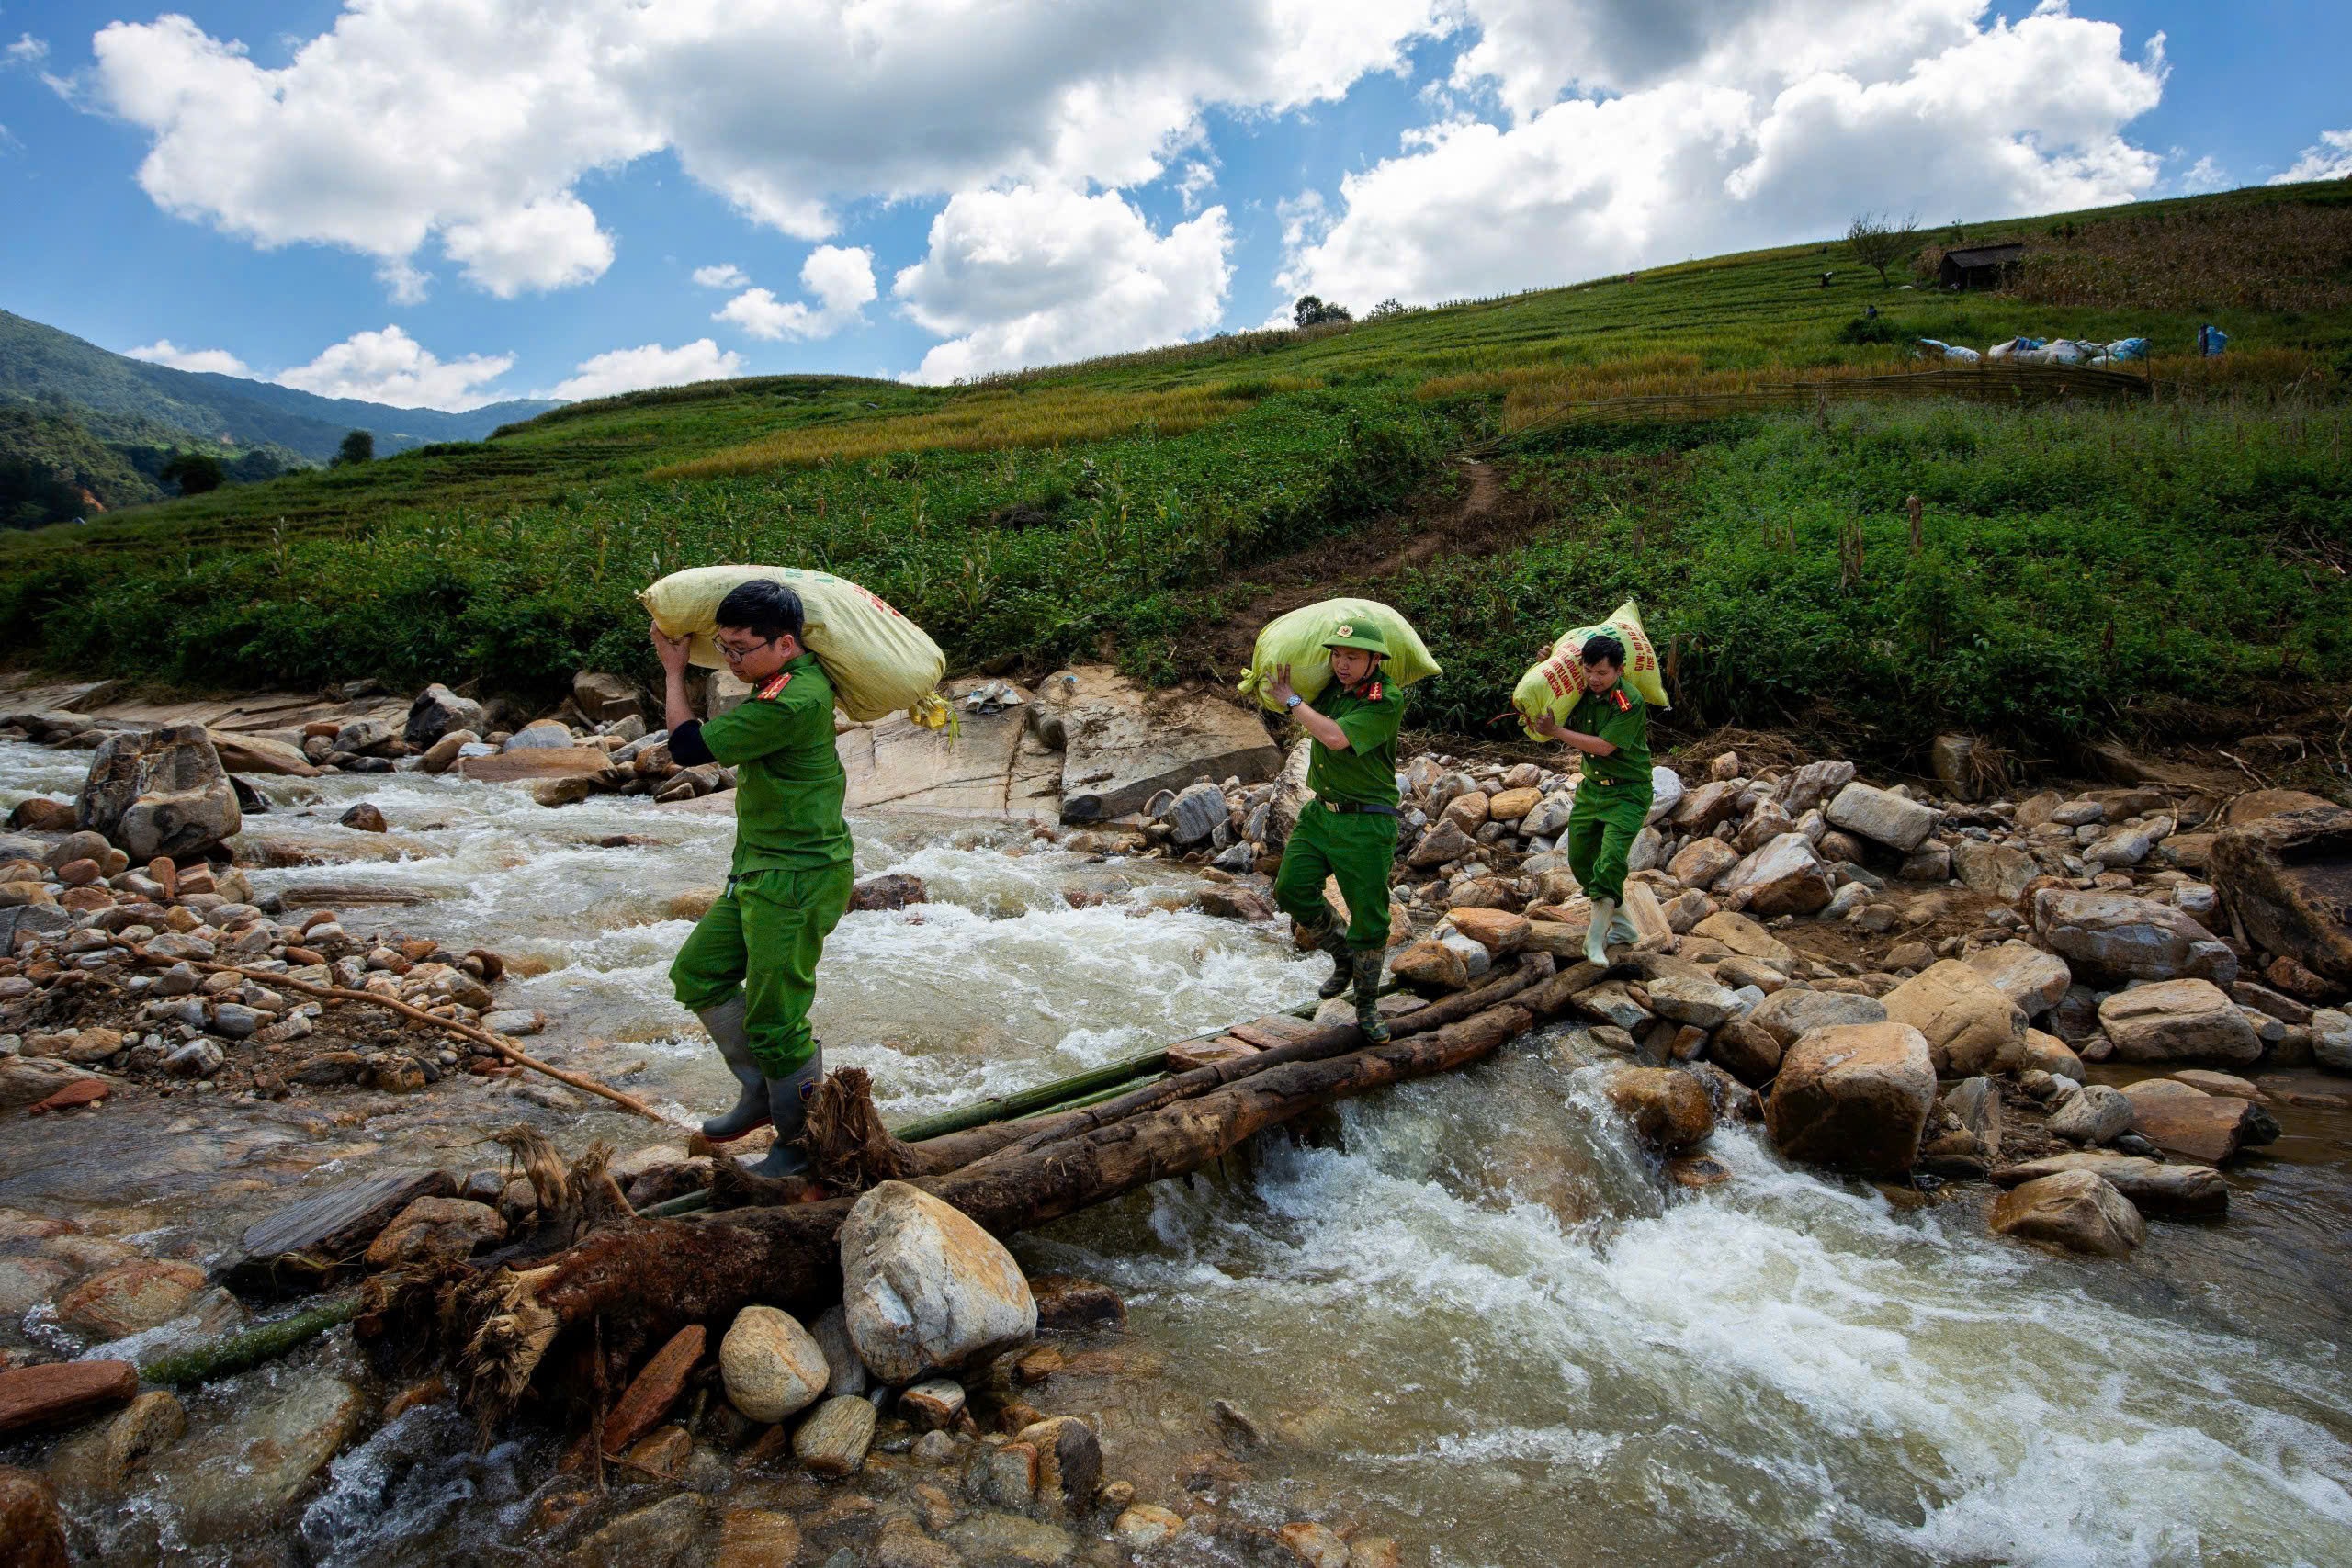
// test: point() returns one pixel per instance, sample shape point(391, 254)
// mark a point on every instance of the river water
point(1465, 1313)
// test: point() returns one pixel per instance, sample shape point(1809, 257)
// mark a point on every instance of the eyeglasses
point(734, 655)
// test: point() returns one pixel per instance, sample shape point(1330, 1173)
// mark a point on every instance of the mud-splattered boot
point(1331, 940)
point(1365, 969)
point(788, 1107)
point(725, 1022)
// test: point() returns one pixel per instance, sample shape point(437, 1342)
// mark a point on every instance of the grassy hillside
point(37, 361)
point(2078, 567)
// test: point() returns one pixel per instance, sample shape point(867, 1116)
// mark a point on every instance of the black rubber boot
point(789, 1108)
point(725, 1022)
point(1331, 940)
point(1365, 968)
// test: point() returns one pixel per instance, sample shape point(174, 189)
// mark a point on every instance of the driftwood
point(640, 1282)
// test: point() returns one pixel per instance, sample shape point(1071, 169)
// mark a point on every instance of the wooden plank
point(305, 1244)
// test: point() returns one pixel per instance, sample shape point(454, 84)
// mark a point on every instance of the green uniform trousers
point(766, 934)
point(1600, 834)
point(1357, 848)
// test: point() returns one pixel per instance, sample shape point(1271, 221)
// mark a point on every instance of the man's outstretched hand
point(1280, 690)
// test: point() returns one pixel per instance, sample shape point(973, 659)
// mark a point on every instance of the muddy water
point(1464, 1314)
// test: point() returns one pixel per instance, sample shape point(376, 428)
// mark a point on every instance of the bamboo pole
point(249, 1347)
point(462, 1030)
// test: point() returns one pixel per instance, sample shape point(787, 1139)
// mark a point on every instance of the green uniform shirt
point(1365, 773)
point(788, 779)
point(1619, 716)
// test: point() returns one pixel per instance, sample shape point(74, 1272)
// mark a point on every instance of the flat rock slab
point(2193, 1125)
point(2160, 1189)
point(307, 1242)
point(230, 1483)
point(988, 765)
point(62, 1392)
point(535, 762)
point(1122, 743)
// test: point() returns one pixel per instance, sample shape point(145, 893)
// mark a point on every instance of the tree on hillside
point(1313, 312)
point(358, 447)
point(1879, 242)
point(194, 472)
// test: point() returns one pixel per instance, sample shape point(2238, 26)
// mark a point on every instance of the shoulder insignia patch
point(1617, 695)
point(773, 687)
point(1371, 693)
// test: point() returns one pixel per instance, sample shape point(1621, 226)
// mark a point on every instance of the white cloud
point(2331, 160)
point(725, 275)
point(1035, 275)
point(163, 351)
point(1198, 178)
point(390, 367)
point(632, 369)
point(2203, 176)
point(840, 277)
point(28, 50)
point(468, 124)
point(1746, 122)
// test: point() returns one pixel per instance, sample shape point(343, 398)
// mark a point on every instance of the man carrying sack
point(750, 969)
point(1611, 725)
point(1349, 831)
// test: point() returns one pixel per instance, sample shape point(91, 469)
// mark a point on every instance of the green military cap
point(1367, 637)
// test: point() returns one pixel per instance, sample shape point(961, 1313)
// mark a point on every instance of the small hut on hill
point(1980, 266)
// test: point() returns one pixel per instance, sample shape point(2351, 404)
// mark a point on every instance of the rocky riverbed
point(1520, 1313)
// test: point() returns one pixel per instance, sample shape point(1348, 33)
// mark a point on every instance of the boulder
point(1855, 1097)
point(545, 735)
point(604, 697)
point(2152, 1186)
point(1512, 805)
point(1195, 814)
point(1976, 1104)
point(2288, 880)
point(1746, 938)
point(933, 1404)
point(436, 713)
point(2035, 980)
point(33, 1532)
point(2194, 1125)
point(1498, 931)
point(129, 1298)
point(893, 890)
point(2075, 1210)
point(2178, 1021)
point(1996, 871)
point(1070, 1462)
point(1444, 842)
point(2052, 1055)
point(1793, 1011)
point(772, 1367)
point(1699, 811)
point(1467, 811)
point(1784, 877)
point(1433, 964)
point(835, 1438)
point(1666, 793)
point(443, 754)
point(1692, 998)
point(259, 754)
point(2094, 1113)
point(2114, 937)
point(2331, 1042)
point(1813, 783)
point(1548, 815)
point(1122, 743)
point(1669, 1111)
point(1699, 863)
point(1971, 1026)
point(926, 1291)
point(159, 792)
point(1881, 816)
point(1747, 1050)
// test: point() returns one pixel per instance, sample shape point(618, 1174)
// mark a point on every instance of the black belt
point(1363, 806)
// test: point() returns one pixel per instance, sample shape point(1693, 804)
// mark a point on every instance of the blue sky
point(449, 201)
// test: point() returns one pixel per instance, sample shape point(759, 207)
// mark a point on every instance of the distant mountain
point(37, 361)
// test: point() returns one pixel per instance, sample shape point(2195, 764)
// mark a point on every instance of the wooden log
point(305, 1245)
point(646, 1280)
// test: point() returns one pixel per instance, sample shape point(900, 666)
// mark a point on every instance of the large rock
point(1692, 998)
point(1122, 744)
point(2094, 1113)
point(129, 1297)
point(2035, 980)
point(232, 1480)
point(159, 792)
point(2289, 879)
point(926, 1291)
point(2075, 1210)
point(604, 697)
point(438, 711)
point(1995, 870)
point(772, 1368)
point(2178, 1021)
point(32, 1533)
point(1195, 813)
point(1699, 863)
point(1746, 938)
point(60, 1394)
point(835, 1438)
point(1699, 811)
point(259, 754)
point(1855, 1097)
point(1882, 817)
point(1668, 1110)
point(1795, 1011)
point(1971, 1026)
point(2191, 1124)
point(1813, 783)
point(1784, 877)
point(1444, 842)
point(2114, 937)
point(1747, 1053)
point(2152, 1186)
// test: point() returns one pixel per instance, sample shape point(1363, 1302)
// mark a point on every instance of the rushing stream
point(1467, 1313)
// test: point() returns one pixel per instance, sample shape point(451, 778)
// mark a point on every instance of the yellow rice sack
point(1296, 639)
point(878, 661)
point(1552, 684)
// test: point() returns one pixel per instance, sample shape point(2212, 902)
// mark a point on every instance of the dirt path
point(1482, 521)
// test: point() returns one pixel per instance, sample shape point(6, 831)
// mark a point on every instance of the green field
point(2143, 566)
